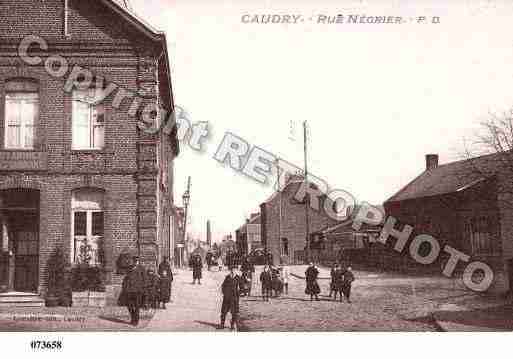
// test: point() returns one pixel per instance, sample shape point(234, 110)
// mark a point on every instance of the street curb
point(439, 327)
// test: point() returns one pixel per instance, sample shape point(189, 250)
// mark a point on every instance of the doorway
point(19, 221)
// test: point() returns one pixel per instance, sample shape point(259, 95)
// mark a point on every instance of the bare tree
point(489, 154)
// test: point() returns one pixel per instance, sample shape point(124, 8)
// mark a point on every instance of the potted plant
point(56, 279)
point(88, 288)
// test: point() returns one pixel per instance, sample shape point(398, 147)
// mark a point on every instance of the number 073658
point(45, 345)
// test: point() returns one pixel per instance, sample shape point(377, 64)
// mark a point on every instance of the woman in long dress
point(312, 287)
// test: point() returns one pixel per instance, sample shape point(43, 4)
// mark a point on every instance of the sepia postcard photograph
point(240, 167)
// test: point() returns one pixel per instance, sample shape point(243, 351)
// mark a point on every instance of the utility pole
point(186, 198)
point(307, 198)
point(280, 205)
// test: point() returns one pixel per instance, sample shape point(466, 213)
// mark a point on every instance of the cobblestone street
point(380, 302)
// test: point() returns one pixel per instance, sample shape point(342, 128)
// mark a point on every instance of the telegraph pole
point(186, 199)
point(307, 198)
point(280, 205)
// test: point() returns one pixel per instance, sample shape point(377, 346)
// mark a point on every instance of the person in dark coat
point(276, 283)
point(197, 265)
point(133, 290)
point(152, 289)
point(164, 266)
point(338, 282)
point(208, 259)
point(231, 291)
point(312, 287)
point(332, 283)
point(266, 281)
point(166, 279)
point(347, 283)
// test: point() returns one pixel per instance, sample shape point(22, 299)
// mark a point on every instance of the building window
point(21, 114)
point(479, 230)
point(88, 117)
point(285, 247)
point(87, 226)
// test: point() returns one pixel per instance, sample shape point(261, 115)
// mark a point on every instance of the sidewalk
point(193, 307)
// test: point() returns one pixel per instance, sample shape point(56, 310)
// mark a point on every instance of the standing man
point(133, 287)
point(197, 265)
point(208, 259)
point(347, 283)
point(332, 277)
point(231, 290)
point(266, 281)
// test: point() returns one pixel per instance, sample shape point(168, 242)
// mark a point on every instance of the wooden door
point(26, 271)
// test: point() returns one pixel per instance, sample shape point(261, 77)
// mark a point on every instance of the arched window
point(87, 226)
point(21, 113)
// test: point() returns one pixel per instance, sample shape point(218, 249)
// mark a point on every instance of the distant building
point(248, 237)
point(286, 239)
point(465, 204)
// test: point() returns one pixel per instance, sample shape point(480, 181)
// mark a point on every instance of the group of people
point(143, 289)
point(341, 282)
point(274, 281)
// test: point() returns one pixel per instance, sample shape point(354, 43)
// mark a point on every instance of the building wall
point(293, 223)
point(135, 169)
point(447, 216)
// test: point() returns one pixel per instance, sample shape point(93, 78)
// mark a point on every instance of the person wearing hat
point(231, 292)
point(133, 289)
point(197, 266)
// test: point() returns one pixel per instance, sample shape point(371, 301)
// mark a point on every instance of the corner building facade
point(76, 172)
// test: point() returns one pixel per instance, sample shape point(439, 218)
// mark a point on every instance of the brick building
point(247, 237)
point(467, 205)
point(287, 238)
point(75, 171)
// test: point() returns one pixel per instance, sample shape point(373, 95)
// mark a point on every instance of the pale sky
point(377, 97)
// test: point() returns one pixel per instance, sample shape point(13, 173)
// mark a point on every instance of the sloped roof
point(123, 8)
point(124, 3)
point(347, 226)
point(452, 177)
point(255, 219)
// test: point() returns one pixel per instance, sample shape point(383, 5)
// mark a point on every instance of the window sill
point(89, 150)
point(19, 150)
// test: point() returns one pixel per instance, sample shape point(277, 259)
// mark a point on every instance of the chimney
point(431, 162)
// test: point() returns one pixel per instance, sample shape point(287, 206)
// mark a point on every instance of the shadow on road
point(496, 318)
point(213, 325)
point(114, 320)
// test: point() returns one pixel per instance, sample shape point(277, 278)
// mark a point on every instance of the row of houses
point(466, 204)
